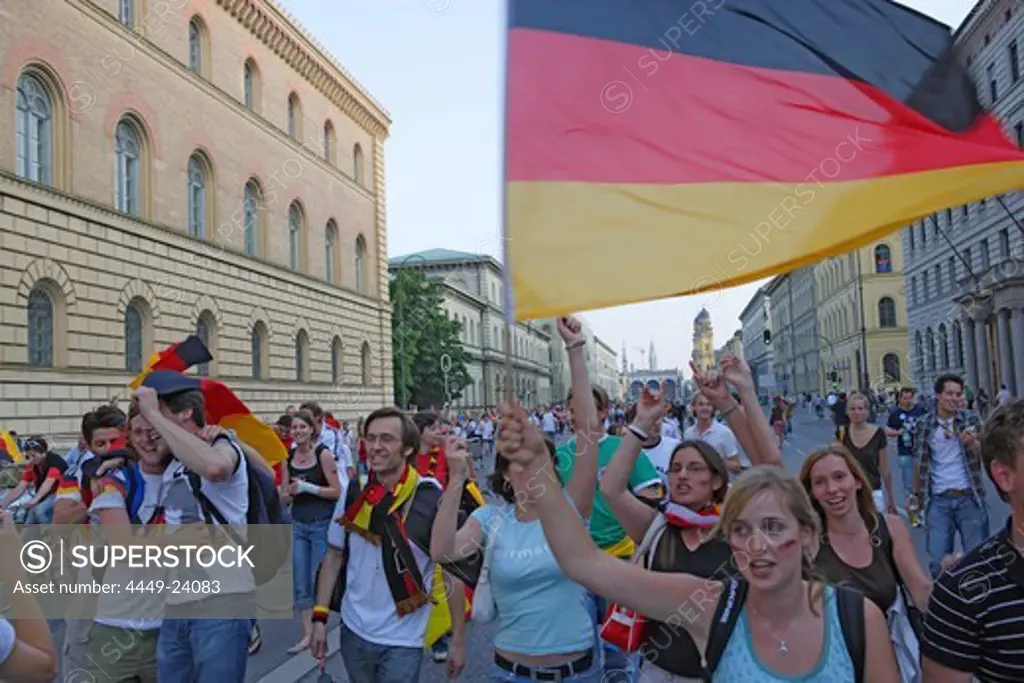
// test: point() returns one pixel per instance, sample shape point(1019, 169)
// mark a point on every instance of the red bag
point(624, 628)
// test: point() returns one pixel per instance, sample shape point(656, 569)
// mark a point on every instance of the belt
point(546, 673)
point(959, 493)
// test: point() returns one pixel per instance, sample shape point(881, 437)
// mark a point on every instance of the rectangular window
point(1014, 62)
point(984, 254)
point(951, 265)
point(938, 278)
point(1018, 134)
point(910, 233)
point(963, 210)
point(967, 258)
point(925, 293)
point(913, 290)
point(1004, 243)
point(993, 89)
point(949, 218)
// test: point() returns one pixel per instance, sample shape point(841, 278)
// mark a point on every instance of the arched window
point(330, 142)
point(206, 330)
point(40, 328)
point(252, 207)
point(195, 45)
point(364, 358)
point(943, 346)
point(883, 259)
point(134, 319)
point(958, 344)
point(930, 340)
point(301, 356)
point(294, 117)
point(357, 164)
point(360, 265)
point(126, 12)
point(251, 85)
point(197, 177)
point(886, 312)
point(891, 367)
point(258, 350)
point(128, 160)
point(336, 360)
point(295, 236)
point(331, 252)
point(34, 125)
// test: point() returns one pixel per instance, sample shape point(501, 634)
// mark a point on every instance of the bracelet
point(576, 345)
point(731, 410)
point(637, 432)
point(321, 614)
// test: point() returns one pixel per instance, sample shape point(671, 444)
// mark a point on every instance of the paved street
point(273, 665)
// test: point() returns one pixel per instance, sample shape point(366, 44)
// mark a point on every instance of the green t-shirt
point(604, 528)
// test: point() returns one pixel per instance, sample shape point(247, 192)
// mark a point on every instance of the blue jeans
point(907, 475)
point(616, 665)
point(203, 650)
point(367, 662)
point(948, 514)
point(43, 512)
point(309, 545)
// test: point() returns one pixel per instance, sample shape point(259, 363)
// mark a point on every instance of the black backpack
point(730, 605)
point(264, 509)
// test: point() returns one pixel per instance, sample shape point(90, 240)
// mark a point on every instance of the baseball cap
point(168, 382)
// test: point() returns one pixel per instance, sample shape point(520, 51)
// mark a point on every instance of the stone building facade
point(473, 289)
point(862, 309)
point(703, 353)
point(185, 167)
point(964, 281)
point(757, 348)
point(795, 339)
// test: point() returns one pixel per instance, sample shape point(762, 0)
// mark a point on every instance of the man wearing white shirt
point(669, 424)
point(548, 424)
point(657, 448)
point(715, 434)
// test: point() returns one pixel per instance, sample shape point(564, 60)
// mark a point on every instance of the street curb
point(297, 666)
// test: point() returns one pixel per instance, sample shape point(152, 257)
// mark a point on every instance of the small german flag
point(693, 146)
point(179, 358)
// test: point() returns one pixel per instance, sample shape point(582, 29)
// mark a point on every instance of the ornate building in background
point(703, 341)
point(207, 170)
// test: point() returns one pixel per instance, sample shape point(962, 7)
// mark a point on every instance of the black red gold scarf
point(377, 516)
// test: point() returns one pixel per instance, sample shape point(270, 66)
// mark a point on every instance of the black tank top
point(669, 645)
point(307, 507)
point(877, 581)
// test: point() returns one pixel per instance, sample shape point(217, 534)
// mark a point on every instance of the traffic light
point(767, 336)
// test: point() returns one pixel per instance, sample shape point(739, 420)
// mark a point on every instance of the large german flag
point(657, 148)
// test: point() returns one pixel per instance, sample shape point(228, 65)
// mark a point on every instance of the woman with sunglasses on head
point(786, 622)
point(681, 534)
point(544, 629)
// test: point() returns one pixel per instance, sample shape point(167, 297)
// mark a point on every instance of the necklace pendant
point(783, 650)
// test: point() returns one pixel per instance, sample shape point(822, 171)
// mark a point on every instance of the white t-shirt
point(719, 437)
point(670, 428)
point(368, 608)
point(949, 469)
point(123, 609)
point(548, 422)
point(231, 498)
point(660, 456)
point(488, 430)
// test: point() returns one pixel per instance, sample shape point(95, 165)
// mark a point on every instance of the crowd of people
point(643, 547)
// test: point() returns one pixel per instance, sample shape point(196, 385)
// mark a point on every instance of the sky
point(437, 66)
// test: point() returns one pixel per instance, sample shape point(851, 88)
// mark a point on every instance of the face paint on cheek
point(787, 546)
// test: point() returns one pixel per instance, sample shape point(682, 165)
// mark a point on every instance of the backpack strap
point(850, 605)
point(652, 537)
point(727, 613)
point(209, 510)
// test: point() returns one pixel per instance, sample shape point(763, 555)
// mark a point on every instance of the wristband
point(307, 487)
point(321, 614)
point(637, 432)
point(731, 410)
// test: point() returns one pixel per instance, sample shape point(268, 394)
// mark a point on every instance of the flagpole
point(1010, 214)
point(508, 296)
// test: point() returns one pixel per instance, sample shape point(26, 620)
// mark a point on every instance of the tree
point(427, 337)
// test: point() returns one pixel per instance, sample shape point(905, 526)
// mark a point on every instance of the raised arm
point(583, 484)
point(449, 543)
point(658, 595)
point(634, 516)
point(758, 440)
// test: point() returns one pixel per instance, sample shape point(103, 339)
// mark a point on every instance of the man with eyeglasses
point(947, 479)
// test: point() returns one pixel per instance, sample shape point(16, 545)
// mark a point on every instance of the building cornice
point(282, 33)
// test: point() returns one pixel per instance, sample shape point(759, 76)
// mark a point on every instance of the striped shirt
point(975, 618)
